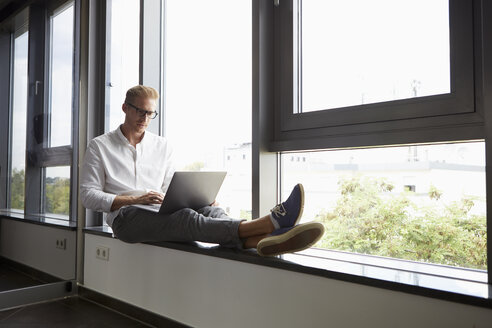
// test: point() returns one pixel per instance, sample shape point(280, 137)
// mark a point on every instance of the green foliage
point(57, 193)
point(17, 187)
point(369, 219)
point(58, 196)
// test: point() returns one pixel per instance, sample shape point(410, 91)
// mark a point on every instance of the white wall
point(35, 246)
point(204, 291)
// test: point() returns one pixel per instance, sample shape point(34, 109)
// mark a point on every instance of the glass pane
point(208, 93)
point(124, 64)
point(424, 203)
point(61, 78)
point(19, 111)
point(57, 191)
point(360, 52)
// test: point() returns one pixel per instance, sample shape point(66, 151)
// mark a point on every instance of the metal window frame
point(6, 55)
point(19, 26)
point(401, 121)
point(467, 125)
point(39, 155)
point(61, 155)
point(265, 164)
point(94, 92)
point(483, 39)
point(151, 54)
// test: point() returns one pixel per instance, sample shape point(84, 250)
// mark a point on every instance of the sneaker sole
point(297, 239)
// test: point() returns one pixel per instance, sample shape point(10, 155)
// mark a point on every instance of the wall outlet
point(61, 243)
point(102, 253)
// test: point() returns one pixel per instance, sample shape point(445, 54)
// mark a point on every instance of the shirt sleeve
point(92, 181)
point(169, 169)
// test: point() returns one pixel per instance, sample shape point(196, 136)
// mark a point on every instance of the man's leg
point(135, 225)
point(257, 228)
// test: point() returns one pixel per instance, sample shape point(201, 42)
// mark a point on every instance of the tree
point(17, 187)
point(369, 219)
point(58, 196)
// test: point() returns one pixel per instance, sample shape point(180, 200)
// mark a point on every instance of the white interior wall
point(204, 291)
point(35, 246)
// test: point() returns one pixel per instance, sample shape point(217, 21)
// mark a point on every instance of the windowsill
point(38, 219)
point(436, 281)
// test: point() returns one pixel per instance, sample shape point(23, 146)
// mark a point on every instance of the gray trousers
point(209, 224)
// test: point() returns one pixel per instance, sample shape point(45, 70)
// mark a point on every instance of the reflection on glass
point(208, 93)
point(19, 111)
point(57, 191)
point(124, 64)
point(360, 52)
point(61, 78)
point(424, 202)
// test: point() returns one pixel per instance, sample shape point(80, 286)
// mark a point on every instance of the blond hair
point(141, 91)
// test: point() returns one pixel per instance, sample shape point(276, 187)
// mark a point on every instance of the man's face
point(137, 113)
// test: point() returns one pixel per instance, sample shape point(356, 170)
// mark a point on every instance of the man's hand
point(215, 203)
point(152, 197)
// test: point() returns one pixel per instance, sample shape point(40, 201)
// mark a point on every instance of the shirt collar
point(124, 139)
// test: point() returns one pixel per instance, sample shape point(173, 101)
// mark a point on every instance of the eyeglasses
point(142, 112)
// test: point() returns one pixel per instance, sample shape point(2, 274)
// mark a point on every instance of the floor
point(12, 279)
point(70, 312)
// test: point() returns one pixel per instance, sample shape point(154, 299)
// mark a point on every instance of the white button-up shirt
point(112, 166)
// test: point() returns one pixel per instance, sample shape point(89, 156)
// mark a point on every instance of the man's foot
point(291, 239)
point(288, 213)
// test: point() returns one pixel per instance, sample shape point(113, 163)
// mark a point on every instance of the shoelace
point(279, 210)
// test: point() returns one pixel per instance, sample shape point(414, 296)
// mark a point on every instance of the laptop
point(189, 190)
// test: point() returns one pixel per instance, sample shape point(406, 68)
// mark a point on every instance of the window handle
point(276, 3)
point(36, 87)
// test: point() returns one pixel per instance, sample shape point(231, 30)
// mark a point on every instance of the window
point(123, 55)
point(18, 130)
point(364, 199)
point(362, 52)
point(54, 154)
point(61, 77)
point(56, 200)
point(348, 127)
point(370, 67)
point(208, 93)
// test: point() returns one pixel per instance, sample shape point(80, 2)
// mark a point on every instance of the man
point(130, 166)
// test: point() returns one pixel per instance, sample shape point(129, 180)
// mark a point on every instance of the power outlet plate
point(102, 253)
point(61, 243)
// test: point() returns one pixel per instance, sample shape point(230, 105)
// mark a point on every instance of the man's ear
point(123, 107)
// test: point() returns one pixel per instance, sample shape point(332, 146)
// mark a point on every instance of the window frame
point(38, 154)
point(270, 140)
point(364, 125)
point(52, 13)
point(18, 31)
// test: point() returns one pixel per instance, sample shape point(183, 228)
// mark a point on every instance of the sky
point(357, 51)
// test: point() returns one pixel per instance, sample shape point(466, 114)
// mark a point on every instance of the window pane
point(19, 111)
point(424, 203)
point(57, 191)
point(124, 48)
point(208, 93)
point(61, 78)
point(360, 52)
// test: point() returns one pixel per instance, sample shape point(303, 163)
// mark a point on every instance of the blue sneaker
point(291, 239)
point(288, 213)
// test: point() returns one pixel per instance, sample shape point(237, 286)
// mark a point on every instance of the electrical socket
point(61, 243)
point(102, 253)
